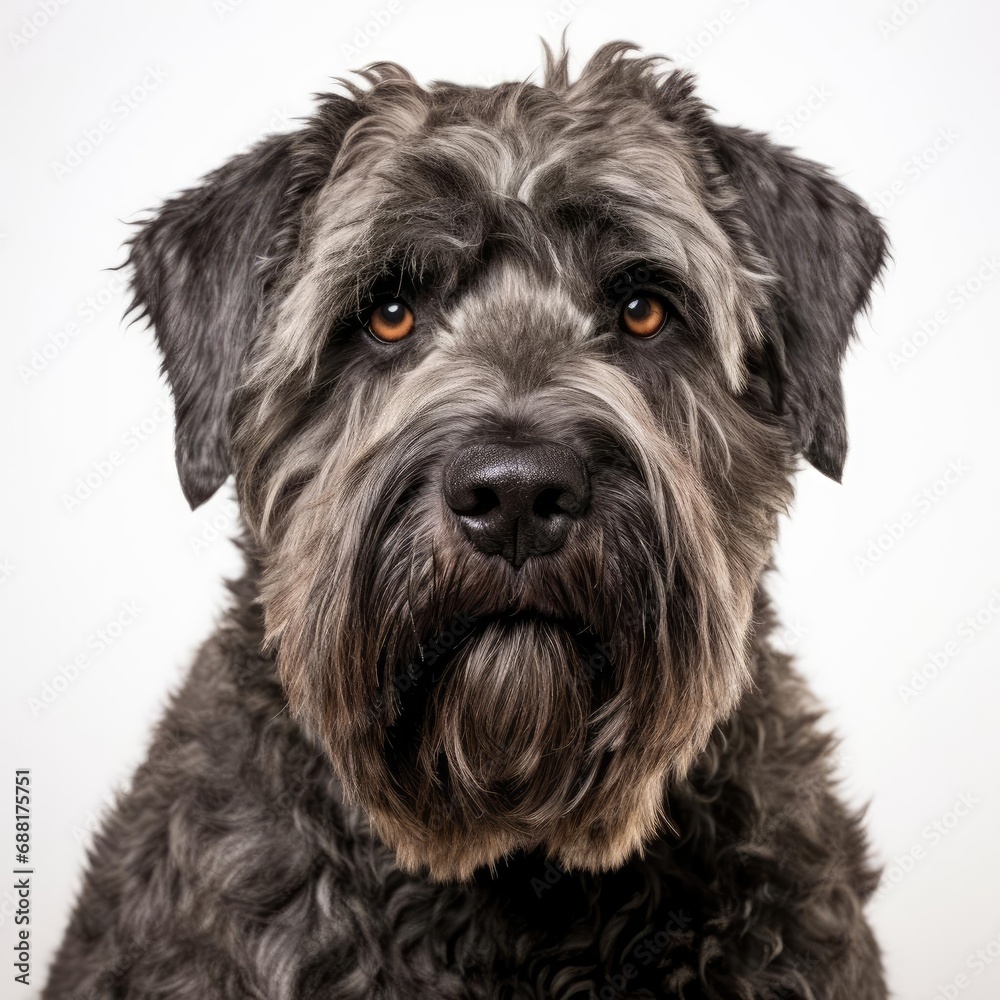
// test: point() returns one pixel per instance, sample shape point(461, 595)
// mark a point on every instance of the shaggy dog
point(512, 382)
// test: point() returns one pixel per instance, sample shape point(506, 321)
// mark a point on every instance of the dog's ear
point(196, 274)
point(826, 250)
point(202, 267)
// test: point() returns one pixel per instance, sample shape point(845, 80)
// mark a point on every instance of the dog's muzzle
point(517, 499)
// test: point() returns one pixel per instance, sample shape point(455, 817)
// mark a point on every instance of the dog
point(512, 381)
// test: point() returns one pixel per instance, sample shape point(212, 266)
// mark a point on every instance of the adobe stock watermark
point(85, 831)
point(107, 978)
point(895, 530)
point(223, 8)
point(641, 954)
point(33, 24)
point(9, 905)
point(163, 751)
point(713, 28)
point(561, 14)
point(788, 125)
point(430, 652)
point(219, 525)
point(96, 643)
point(418, 674)
point(977, 962)
point(915, 167)
point(939, 660)
point(931, 837)
point(901, 12)
point(762, 835)
point(552, 874)
point(122, 108)
point(103, 469)
point(7, 570)
point(85, 313)
point(370, 29)
point(955, 301)
point(279, 121)
point(787, 637)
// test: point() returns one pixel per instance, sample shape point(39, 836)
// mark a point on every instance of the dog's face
point(512, 382)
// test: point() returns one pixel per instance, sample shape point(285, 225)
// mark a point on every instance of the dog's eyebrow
point(600, 225)
point(444, 240)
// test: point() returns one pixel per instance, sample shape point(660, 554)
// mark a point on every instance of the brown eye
point(644, 315)
point(391, 320)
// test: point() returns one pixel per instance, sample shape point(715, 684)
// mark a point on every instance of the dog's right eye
point(645, 314)
point(391, 321)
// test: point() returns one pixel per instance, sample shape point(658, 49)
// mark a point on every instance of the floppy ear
point(826, 248)
point(196, 275)
point(202, 268)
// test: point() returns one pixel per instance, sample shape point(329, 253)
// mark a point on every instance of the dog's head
point(512, 381)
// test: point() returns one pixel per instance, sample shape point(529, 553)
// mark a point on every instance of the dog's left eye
point(644, 315)
point(391, 321)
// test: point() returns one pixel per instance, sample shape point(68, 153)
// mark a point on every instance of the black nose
point(517, 500)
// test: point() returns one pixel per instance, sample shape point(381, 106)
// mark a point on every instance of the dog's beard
point(507, 725)
point(492, 750)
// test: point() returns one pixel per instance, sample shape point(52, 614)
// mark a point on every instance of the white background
point(864, 86)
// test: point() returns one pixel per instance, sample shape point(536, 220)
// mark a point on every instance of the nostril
point(483, 501)
point(549, 502)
